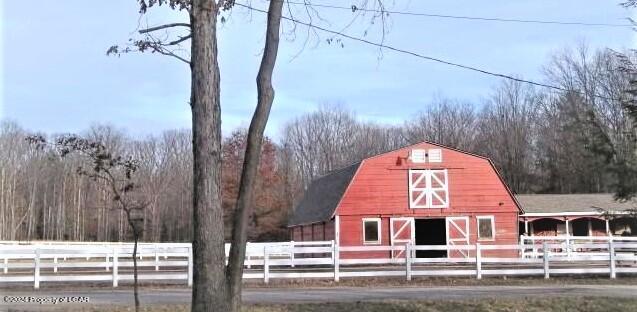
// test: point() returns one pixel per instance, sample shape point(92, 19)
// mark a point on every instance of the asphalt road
point(334, 294)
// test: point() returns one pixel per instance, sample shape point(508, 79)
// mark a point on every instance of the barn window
point(435, 155)
point(486, 227)
point(418, 156)
point(428, 188)
point(371, 231)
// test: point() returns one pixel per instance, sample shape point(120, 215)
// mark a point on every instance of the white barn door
point(457, 235)
point(402, 232)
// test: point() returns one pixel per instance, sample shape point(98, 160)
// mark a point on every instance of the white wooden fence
point(569, 244)
point(65, 262)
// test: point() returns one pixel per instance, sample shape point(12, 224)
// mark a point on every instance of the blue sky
point(57, 78)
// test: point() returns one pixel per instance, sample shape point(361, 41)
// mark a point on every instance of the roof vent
point(435, 155)
point(418, 156)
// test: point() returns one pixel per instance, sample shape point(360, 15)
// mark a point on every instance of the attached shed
point(425, 194)
point(574, 215)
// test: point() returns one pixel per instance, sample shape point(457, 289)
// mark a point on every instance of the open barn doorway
point(431, 232)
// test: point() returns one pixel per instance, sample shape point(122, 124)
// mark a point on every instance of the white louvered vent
point(435, 155)
point(418, 156)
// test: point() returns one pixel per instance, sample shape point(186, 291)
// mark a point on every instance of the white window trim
point(378, 224)
point(490, 218)
point(428, 191)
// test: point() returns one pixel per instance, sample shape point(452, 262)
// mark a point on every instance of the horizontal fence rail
point(568, 245)
point(112, 262)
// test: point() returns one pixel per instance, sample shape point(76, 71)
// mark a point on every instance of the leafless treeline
point(551, 142)
point(541, 141)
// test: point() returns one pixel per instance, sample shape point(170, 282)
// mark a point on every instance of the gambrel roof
point(323, 195)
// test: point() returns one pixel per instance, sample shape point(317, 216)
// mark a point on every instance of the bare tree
point(445, 121)
point(506, 131)
point(116, 172)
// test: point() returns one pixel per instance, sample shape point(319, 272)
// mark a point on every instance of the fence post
point(36, 275)
point(611, 256)
point(248, 256)
point(522, 246)
point(478, 262)
point(227, 252)
point(6, 265)
point(266, 265)
point(106, 262)
point(292, 253)
point(336, 255)
point(408, 260)
point(545, 258)
point(114, 269)
point(156, 258)
point(190, 265)
point(55, 264)
point(332, 246)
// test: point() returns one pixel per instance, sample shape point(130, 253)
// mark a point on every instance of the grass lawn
point(522, 304)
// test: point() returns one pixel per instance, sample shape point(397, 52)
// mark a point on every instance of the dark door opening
point(580, 227)
point(431, 232)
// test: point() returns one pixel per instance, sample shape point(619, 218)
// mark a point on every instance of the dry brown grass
point(520, 304)
point(364, 282)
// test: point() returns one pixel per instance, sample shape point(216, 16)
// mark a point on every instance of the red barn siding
point(329, 230)
point(322, 231)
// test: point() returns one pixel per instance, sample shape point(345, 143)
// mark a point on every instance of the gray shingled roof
point(323, 195)
point(560, 203)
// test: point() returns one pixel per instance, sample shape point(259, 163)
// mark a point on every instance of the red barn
point(426, 194)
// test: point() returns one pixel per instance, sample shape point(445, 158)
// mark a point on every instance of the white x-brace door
point(402, 232)
point(457, 235)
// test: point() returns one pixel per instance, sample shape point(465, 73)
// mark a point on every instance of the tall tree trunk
point(209, 289)
point(252, 156)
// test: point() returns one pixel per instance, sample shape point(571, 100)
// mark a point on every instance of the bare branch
point(178, 41)
point(160, 27)
point(163, 51)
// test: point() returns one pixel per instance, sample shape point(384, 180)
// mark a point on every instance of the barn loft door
point(457, 235)
point(428, 188)
point(402, 232)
